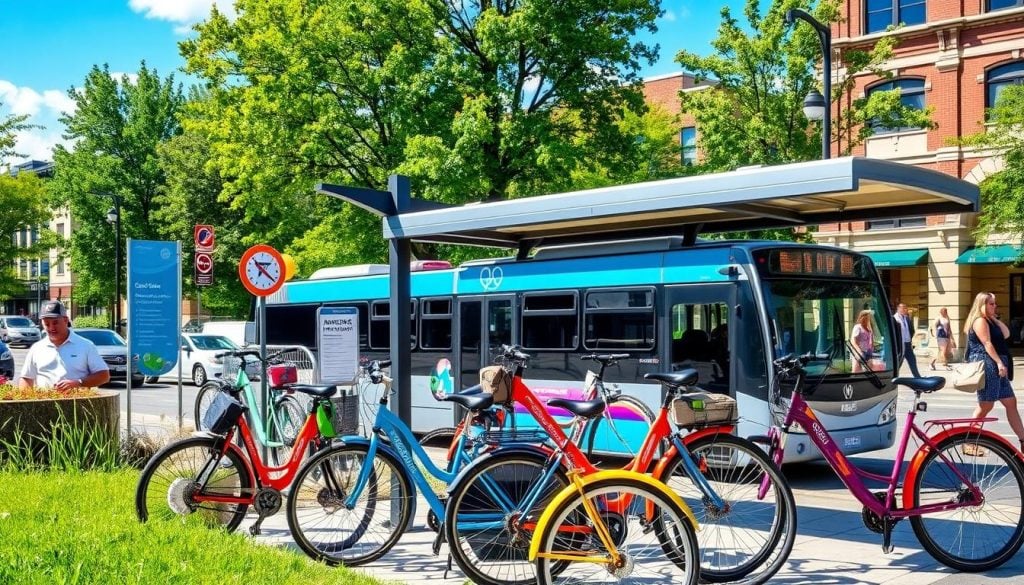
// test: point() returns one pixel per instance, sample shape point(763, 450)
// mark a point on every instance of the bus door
point(701, 332)
point(484, 324)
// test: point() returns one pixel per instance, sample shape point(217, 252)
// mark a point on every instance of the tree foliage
point(9, 128)
point(1002, 194)
point(114, 131)
point(24, 203)
point(475, 100)
point(753, 111)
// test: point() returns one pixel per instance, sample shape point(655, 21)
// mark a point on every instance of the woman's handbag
point(969, 377)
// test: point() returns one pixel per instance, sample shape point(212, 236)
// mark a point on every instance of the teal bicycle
point(282, 425)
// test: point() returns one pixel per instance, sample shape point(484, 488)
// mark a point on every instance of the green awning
point(899, 258)
point(991, 254)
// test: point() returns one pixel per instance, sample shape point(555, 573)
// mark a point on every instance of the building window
point(60, 230)
point(688, 141)
point(60, 267)
point(891, 224)
point(999, 78)
point(1001, 4)
point(911, 96)
point(885, 13)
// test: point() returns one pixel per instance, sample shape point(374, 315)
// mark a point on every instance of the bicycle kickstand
point(887, 546)
point(255, 530)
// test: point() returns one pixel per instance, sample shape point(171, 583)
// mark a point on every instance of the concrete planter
point(37, 417)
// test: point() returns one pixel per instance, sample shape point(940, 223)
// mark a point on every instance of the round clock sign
point(262, 270)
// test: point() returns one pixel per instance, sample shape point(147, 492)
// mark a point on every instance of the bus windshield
point(846, 319)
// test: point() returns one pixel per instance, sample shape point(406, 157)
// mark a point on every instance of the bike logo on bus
point(490, 278)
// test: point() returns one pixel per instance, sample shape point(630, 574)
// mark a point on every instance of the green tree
point(474, 100)
point(23, 199)
point(114, 132)
point(753, 111)
point(1002, 194)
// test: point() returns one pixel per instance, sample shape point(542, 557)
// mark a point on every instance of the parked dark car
point(114, 350)
point(6, 362)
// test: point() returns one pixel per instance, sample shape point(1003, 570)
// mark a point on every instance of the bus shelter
point(800, 194)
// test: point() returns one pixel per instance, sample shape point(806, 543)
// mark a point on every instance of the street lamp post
point(114, 217)
point(825, 37)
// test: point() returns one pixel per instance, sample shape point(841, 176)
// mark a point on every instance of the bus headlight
point(888, 413)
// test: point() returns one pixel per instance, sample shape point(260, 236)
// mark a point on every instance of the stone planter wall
point(99, 413)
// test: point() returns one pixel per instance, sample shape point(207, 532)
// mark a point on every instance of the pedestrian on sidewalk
point(906, 334)
point(986, 341)
point(942, 330)
point(62, 360)
point(862, 340)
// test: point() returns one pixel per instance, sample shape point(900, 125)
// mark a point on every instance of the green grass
point(80, 527)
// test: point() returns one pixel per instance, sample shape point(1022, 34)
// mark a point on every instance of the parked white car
point(114, 351)
point(199, 362)
point(15, 330)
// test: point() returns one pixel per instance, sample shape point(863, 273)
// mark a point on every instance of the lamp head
point(112, 216)
point(789, 16)
point(814, 105)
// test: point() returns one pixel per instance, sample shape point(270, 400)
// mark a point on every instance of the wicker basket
point(346, 412)
point(703, 408)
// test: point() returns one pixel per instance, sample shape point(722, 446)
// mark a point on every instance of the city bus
point(726, 308)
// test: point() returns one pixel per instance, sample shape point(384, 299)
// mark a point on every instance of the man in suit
point(906, 333)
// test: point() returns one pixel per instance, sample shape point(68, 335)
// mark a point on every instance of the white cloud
point(37, 144)
point(27, 101)
point(669, 16)
point(184, 13)
point(43, 110)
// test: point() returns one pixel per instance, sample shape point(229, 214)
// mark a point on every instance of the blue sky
point(48, 46)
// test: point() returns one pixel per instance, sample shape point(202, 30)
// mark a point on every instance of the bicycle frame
point(853, 477)
point(243, 383)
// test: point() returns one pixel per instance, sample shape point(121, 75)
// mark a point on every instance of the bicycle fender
point(688, 439)
point(386, 448)
point(924, 450)
point(537, 451)
point(611, 474)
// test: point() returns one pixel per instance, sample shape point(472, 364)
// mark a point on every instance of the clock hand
point(260, 267)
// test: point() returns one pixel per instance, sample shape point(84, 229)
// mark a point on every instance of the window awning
point(991, 254)
point(899, 258)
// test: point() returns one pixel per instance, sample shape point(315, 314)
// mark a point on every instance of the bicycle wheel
point(748, 538)
point(971, 538)
point(326, 529)
point(625, 433)
point(207, 392)
point(658, 549)
point(283, 427)
point(487, 530)
point(168, 484)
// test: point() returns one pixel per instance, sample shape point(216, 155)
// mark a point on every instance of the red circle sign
point(204, 264)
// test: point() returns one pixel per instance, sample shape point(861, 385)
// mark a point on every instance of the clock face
point(262, 270)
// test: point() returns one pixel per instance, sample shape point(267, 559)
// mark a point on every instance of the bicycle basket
point(346, 413)
point(223, 414)
point(703, 408)
point(497, 381)
point(231, 364)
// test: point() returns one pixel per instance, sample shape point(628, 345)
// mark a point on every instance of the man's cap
point(53, 309)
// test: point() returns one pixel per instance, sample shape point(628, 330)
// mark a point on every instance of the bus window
point(700, 340)
point(619, 319)
point(380, 325)
point(499, 322)
point(292, 325)
point(436, 324)
point(550, 321)
point(364, 322)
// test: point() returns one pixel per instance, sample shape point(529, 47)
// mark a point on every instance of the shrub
point(91, 321)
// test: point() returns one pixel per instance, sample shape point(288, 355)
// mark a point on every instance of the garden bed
point(95, 414)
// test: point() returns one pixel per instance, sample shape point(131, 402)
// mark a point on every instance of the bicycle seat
point(584, 408)
point(478, 401)
point(686, 377)
point(318, 391)
point(929, 384)
point(470, 390)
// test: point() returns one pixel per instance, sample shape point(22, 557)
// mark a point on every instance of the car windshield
point(102, 337)
point(19, 322)
point(212, 342)
point(820, 316)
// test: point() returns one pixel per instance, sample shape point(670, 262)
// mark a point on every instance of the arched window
point(999, 78)
point(882, 14)
point(911, 95)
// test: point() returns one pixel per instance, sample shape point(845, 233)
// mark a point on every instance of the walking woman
point(986, 341)
point(943, 331)
point(862, 340)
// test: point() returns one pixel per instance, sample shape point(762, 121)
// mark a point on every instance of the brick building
point(954, 57)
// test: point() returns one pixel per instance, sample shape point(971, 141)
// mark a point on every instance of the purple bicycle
point(964, 486)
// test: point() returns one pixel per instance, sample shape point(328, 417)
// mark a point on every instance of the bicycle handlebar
point(605, 357)
point(791, 361)
point(513, 353)
point(255, 353)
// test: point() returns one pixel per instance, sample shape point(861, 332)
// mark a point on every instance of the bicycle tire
point(283, 427)
point(442, 437)
point(984, 469)
point(166, 477)
point(321, 524)
point(751, 539)
point(475, 550)
point(595, 424)
point(667, 553)
point(207, 392)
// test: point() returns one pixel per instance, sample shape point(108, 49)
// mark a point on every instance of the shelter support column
point(400, 255)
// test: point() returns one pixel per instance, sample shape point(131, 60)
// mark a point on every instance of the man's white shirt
point(75, 359)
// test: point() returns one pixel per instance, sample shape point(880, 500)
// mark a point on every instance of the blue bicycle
point(350, 505)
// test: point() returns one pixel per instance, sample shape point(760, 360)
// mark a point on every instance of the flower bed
point(29, 419)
